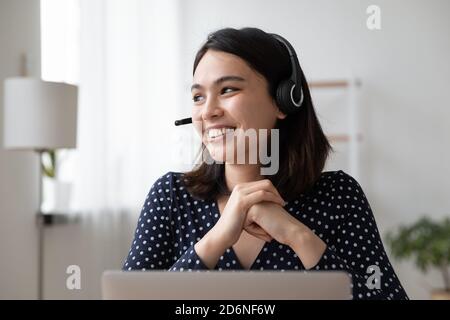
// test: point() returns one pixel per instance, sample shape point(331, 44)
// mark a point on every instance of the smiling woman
point(237, 74)
point(227, 215)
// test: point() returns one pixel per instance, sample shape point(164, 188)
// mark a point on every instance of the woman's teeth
point(214, 133)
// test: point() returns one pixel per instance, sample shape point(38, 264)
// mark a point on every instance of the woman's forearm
point(307, 246)
point(210, 248)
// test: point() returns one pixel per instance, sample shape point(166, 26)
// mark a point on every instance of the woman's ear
point(281, 115)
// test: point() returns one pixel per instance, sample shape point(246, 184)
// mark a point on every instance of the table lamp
point(39, 116)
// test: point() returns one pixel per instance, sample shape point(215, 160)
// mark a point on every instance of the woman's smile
point(218, 134)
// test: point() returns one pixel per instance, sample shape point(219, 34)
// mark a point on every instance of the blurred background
point(380, 79)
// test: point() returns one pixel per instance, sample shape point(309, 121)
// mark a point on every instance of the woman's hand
point(286, 229)
point(243, 197)
point(274, 220)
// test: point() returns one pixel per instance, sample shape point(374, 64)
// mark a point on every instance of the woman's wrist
point(210, 248)
point(296, 234)
point(307, 245)
point(218, 239)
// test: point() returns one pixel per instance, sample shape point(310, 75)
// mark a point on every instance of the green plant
point(428, 242)
point(48, 163)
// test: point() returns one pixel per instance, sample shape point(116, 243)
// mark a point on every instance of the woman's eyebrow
point(219, 80)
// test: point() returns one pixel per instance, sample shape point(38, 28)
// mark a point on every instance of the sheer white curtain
point(131, 90)
point(130, 93)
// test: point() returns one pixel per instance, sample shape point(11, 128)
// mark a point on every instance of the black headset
point(285, 94)
point(286, 90)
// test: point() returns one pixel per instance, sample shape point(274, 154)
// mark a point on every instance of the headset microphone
point(183, 121)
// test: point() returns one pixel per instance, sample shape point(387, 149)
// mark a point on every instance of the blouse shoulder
point(170, 184)
point(168, 178)
point(337, 179)
point(334, 174)
point(342, 190)
point(335, 186)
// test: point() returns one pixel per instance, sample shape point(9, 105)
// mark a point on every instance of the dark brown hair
point(304, 147)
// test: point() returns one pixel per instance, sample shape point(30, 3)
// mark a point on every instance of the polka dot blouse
point(335, 209)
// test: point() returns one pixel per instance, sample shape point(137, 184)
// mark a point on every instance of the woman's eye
point(228, 88)
point(196, 97)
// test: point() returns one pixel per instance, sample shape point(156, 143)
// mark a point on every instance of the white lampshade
point(39, 114)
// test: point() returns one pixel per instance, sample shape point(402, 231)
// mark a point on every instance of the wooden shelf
point(343, 137)
point(332, 84)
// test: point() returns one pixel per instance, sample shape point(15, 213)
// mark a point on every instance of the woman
point(227, 214)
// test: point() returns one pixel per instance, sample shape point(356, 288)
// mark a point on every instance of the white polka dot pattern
point(335, 208)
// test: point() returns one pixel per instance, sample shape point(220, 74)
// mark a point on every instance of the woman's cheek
point(235, 104)
point(197, 122)
point(243, 113)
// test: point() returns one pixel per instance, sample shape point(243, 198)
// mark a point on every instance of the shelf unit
point(352, 136)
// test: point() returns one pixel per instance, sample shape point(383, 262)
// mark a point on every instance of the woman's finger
point(260, 196)
point(255, 228)
point(255, 231)
point(265, 184)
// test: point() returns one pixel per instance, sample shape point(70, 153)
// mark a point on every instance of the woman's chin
point(219, 154)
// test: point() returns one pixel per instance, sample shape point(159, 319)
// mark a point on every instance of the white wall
point(405, 71)
point(19, 34)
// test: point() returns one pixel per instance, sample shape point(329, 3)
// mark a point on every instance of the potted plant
point(428, 243)
point(56, 192)
point(48, 163)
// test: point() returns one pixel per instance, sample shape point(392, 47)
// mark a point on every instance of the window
point(60, 40)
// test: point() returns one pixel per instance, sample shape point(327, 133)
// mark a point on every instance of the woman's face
point(228, 95)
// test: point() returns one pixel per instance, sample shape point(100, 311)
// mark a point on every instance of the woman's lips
point(218, 134)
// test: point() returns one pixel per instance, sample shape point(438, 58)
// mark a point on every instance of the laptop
point(226, 285)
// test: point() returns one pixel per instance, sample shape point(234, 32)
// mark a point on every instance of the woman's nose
point(211, 109)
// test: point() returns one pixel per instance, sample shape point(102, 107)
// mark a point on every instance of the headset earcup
point(284, 97)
